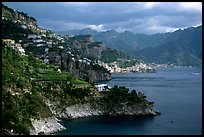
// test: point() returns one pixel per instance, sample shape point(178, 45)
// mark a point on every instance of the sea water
point(176, 93)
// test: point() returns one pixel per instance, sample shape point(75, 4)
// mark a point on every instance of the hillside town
point(53, 40)
point(45, 40)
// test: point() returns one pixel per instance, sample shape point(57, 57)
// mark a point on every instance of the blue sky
point(137, 17)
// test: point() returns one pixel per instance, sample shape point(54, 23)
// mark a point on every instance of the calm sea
point(177, 93)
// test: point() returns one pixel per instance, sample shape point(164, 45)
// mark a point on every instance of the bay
point(177, 94)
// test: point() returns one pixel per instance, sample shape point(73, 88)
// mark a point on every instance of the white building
point(33, 36)
point(21, 51)
point(40, 45)
point(102, 87)
point(38, 40)
point(46, 50)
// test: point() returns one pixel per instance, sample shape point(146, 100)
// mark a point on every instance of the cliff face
point(46, 126)
point(117, 101)
point(34, 93)
point(87, 71)
point(97, 108)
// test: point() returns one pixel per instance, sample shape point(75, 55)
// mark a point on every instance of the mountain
point(125, 41)
point(186, 44)
point(80, 54)
point(86, 47)
point(86, 31)
point(43, 44)
point(184, 47)
point(35, 93)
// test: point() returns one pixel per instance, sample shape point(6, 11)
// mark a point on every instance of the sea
point(176, 93)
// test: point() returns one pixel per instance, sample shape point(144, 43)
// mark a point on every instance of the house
point(33, 36)
point(16, 46)
point(40, 45)
point(38, 40)
point(46, 50)
point(102, 87)
point(9, 41)
point(19, 49)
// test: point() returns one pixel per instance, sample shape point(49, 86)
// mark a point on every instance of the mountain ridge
point(136, 44)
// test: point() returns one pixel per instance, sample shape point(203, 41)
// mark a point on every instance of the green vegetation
point(128, 63)
point(94, 44)
point(109, 55)
point(182, 47)
point(117, 95)
point(13, 31)
point(35, 50)
point(22, 13)
point(80, 38)
point(78, 93)
point(82, 45)
point(26, 82)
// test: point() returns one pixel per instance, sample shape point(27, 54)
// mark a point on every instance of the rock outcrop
point(87, 71)
point(97, 108)
point(46, 126)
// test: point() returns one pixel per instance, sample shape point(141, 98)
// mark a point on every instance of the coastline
point(46, 126)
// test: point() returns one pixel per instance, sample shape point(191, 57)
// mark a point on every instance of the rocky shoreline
point(95, 107)
point(51, 125)
point(46, 126)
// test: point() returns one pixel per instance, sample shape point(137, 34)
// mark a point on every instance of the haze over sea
point(177, 94)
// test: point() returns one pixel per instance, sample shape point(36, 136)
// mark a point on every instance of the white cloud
point(196, 6)
point(98, 28)
point(78, 3)
point(138, 17)
point(161, 29)
point(151, 4)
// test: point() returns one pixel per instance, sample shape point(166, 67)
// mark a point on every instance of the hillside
point(151, 47)
point(34, 94)
point(80, 54)
point(86, 47)
point(26, 81)
point(48, 47)
point(44, 79)
point(184, 48)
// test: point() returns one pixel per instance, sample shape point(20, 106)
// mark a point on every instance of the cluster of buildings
point(141, 67)
point(45, 40)
point(16, 46)
point(115, 68)
point(22, 18)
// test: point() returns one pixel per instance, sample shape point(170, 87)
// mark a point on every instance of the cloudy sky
point(137, 17)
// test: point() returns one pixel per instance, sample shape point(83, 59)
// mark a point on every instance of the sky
point(137, 17)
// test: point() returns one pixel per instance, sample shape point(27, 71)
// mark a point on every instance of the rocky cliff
point(117, 101)
point(35, 93)
point(94, 109)
point(86, 70)
point(46, 126)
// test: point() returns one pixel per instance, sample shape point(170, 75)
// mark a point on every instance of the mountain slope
point(184, 47)
point(187, 44)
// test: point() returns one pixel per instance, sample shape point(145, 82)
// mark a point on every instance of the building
point(34, 36)
point(8, 41)
point(16, 46)
point(19, 49)
point(102, 87)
